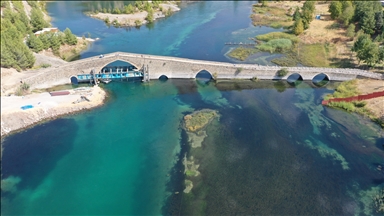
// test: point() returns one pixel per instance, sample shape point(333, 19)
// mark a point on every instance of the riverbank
point(138, 18)
point(372, 108)
point(45, 106)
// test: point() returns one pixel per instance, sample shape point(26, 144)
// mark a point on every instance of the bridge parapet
point(175, 67)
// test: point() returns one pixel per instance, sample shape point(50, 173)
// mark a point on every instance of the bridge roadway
point(174, 67)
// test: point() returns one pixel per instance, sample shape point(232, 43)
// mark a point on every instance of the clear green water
point(270, 152)
point(274, 150)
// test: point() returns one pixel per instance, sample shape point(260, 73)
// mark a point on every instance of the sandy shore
point(129, 19)
point(45, 106)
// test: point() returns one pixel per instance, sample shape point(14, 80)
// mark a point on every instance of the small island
point(137, 13)
point(194, 125)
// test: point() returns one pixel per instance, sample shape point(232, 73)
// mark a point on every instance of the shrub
point(282, 72)
point(22, 89)
point(45, 65)
point(138, 22)
point(344, 105)
point(254, 79)
point(359, 104)
point(242, 53)
point(238, 70)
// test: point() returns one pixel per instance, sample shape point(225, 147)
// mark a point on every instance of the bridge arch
point(163, 77)
point(204, 75)
point(294, 79)
point(115, 64)
point(74, 80)
point(320, 79)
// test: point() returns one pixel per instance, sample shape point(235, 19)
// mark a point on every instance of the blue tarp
point(26, 107)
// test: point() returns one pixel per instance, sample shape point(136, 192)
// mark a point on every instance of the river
point(273, 150)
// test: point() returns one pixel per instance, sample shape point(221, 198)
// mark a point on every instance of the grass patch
point(313, 55)
point(345, 89)
point(242, 53)
point(274, 17)
point(277, 35)
point(285, 61)
point(276, 45)
point(190, 173)
point(349, 89)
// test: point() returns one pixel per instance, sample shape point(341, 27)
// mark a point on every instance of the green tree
point(70, 38)
point(129, 9)
point(21, 27)
point(335, 8)
point(149, 17)
point(14, 53)
point(61, 37)
point(351, 30)
point(296, 14)
point(346, 4)
point(307, 13)
point(35, 43)
point(379, 21)
point(371, 54)
point(381, 55)
point(298, 27)
point(55, 43)
point(365, 15)
point(45, 40)
point(366, 50)
point(368, 22)
point(37, 20)
point(347, 15)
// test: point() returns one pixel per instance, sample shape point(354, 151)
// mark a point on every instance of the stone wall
point(174, 67)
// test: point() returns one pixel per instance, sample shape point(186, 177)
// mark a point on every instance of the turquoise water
point(270, 152)
point(274, 149)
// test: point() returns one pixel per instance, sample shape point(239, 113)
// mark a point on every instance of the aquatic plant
point(326, 151)
point(242, 53)
point(276, 45)
point(314, 110)
point(199, 119)
point(9, 184)
point(379, 201)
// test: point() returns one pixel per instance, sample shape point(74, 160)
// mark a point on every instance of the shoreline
point(46, 107)
point(130, 20)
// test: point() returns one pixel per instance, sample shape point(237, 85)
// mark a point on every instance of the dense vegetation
point(134, 7)
point(362, 21)
point(16, 28)
point(368, 17)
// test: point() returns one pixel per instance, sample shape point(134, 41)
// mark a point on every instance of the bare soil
point(375, 105)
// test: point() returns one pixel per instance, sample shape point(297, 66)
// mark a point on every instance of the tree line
point(365, 16)
point(368, 17)
point(15, 26)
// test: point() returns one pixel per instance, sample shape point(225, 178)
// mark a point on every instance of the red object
point(354, 98)
point(58, 93)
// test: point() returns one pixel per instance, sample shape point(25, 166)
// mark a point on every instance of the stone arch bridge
point(173, 67)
